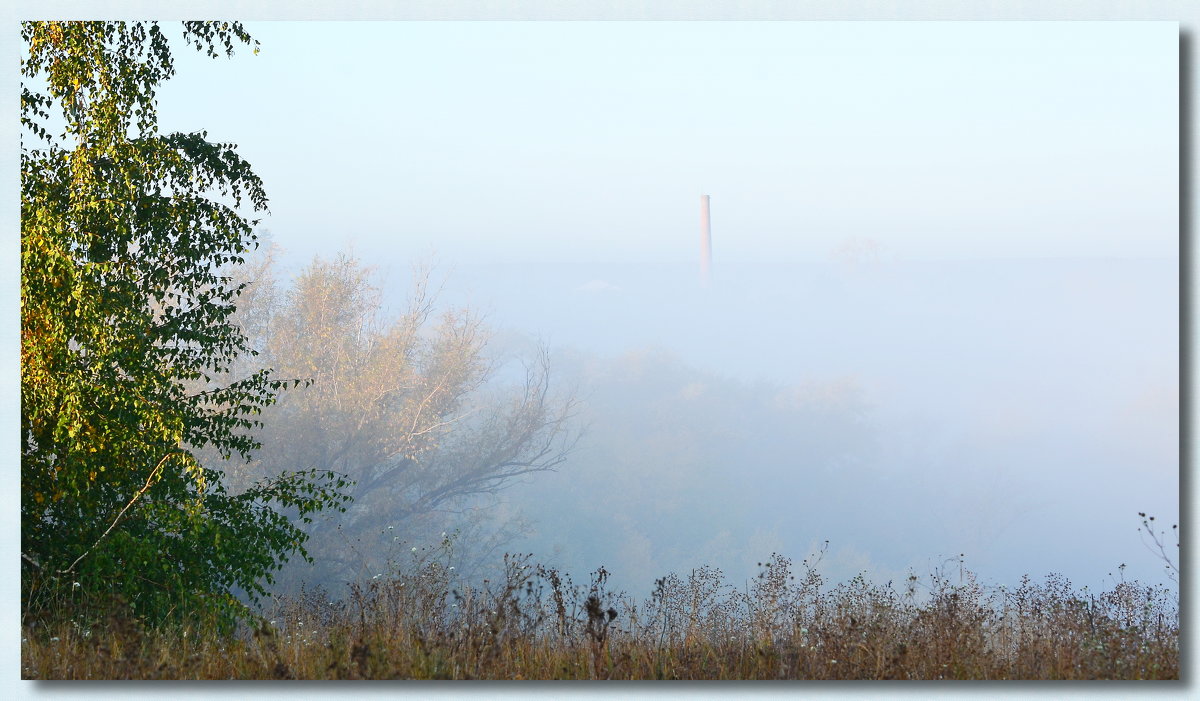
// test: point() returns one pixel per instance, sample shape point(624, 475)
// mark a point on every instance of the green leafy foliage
point(125, 332)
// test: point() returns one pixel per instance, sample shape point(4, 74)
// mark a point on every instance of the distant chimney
point(705, 243)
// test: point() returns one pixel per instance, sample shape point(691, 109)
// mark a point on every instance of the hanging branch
point(140, 492)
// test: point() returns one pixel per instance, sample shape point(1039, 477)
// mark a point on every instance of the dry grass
point(536, 624)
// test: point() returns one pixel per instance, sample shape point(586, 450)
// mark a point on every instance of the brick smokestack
point(705, 243)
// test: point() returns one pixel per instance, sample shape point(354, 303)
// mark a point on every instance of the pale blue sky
point(545, 142)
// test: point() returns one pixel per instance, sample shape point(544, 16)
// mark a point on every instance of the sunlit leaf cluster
point(126, 332)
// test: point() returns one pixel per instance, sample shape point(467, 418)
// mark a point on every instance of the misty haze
point(908, 412)
point(591, 350)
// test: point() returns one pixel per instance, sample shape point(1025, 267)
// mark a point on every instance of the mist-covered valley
point(1015, 414)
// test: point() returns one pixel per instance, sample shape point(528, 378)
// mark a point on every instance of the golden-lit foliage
point(408, 406)
point(123, 314)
